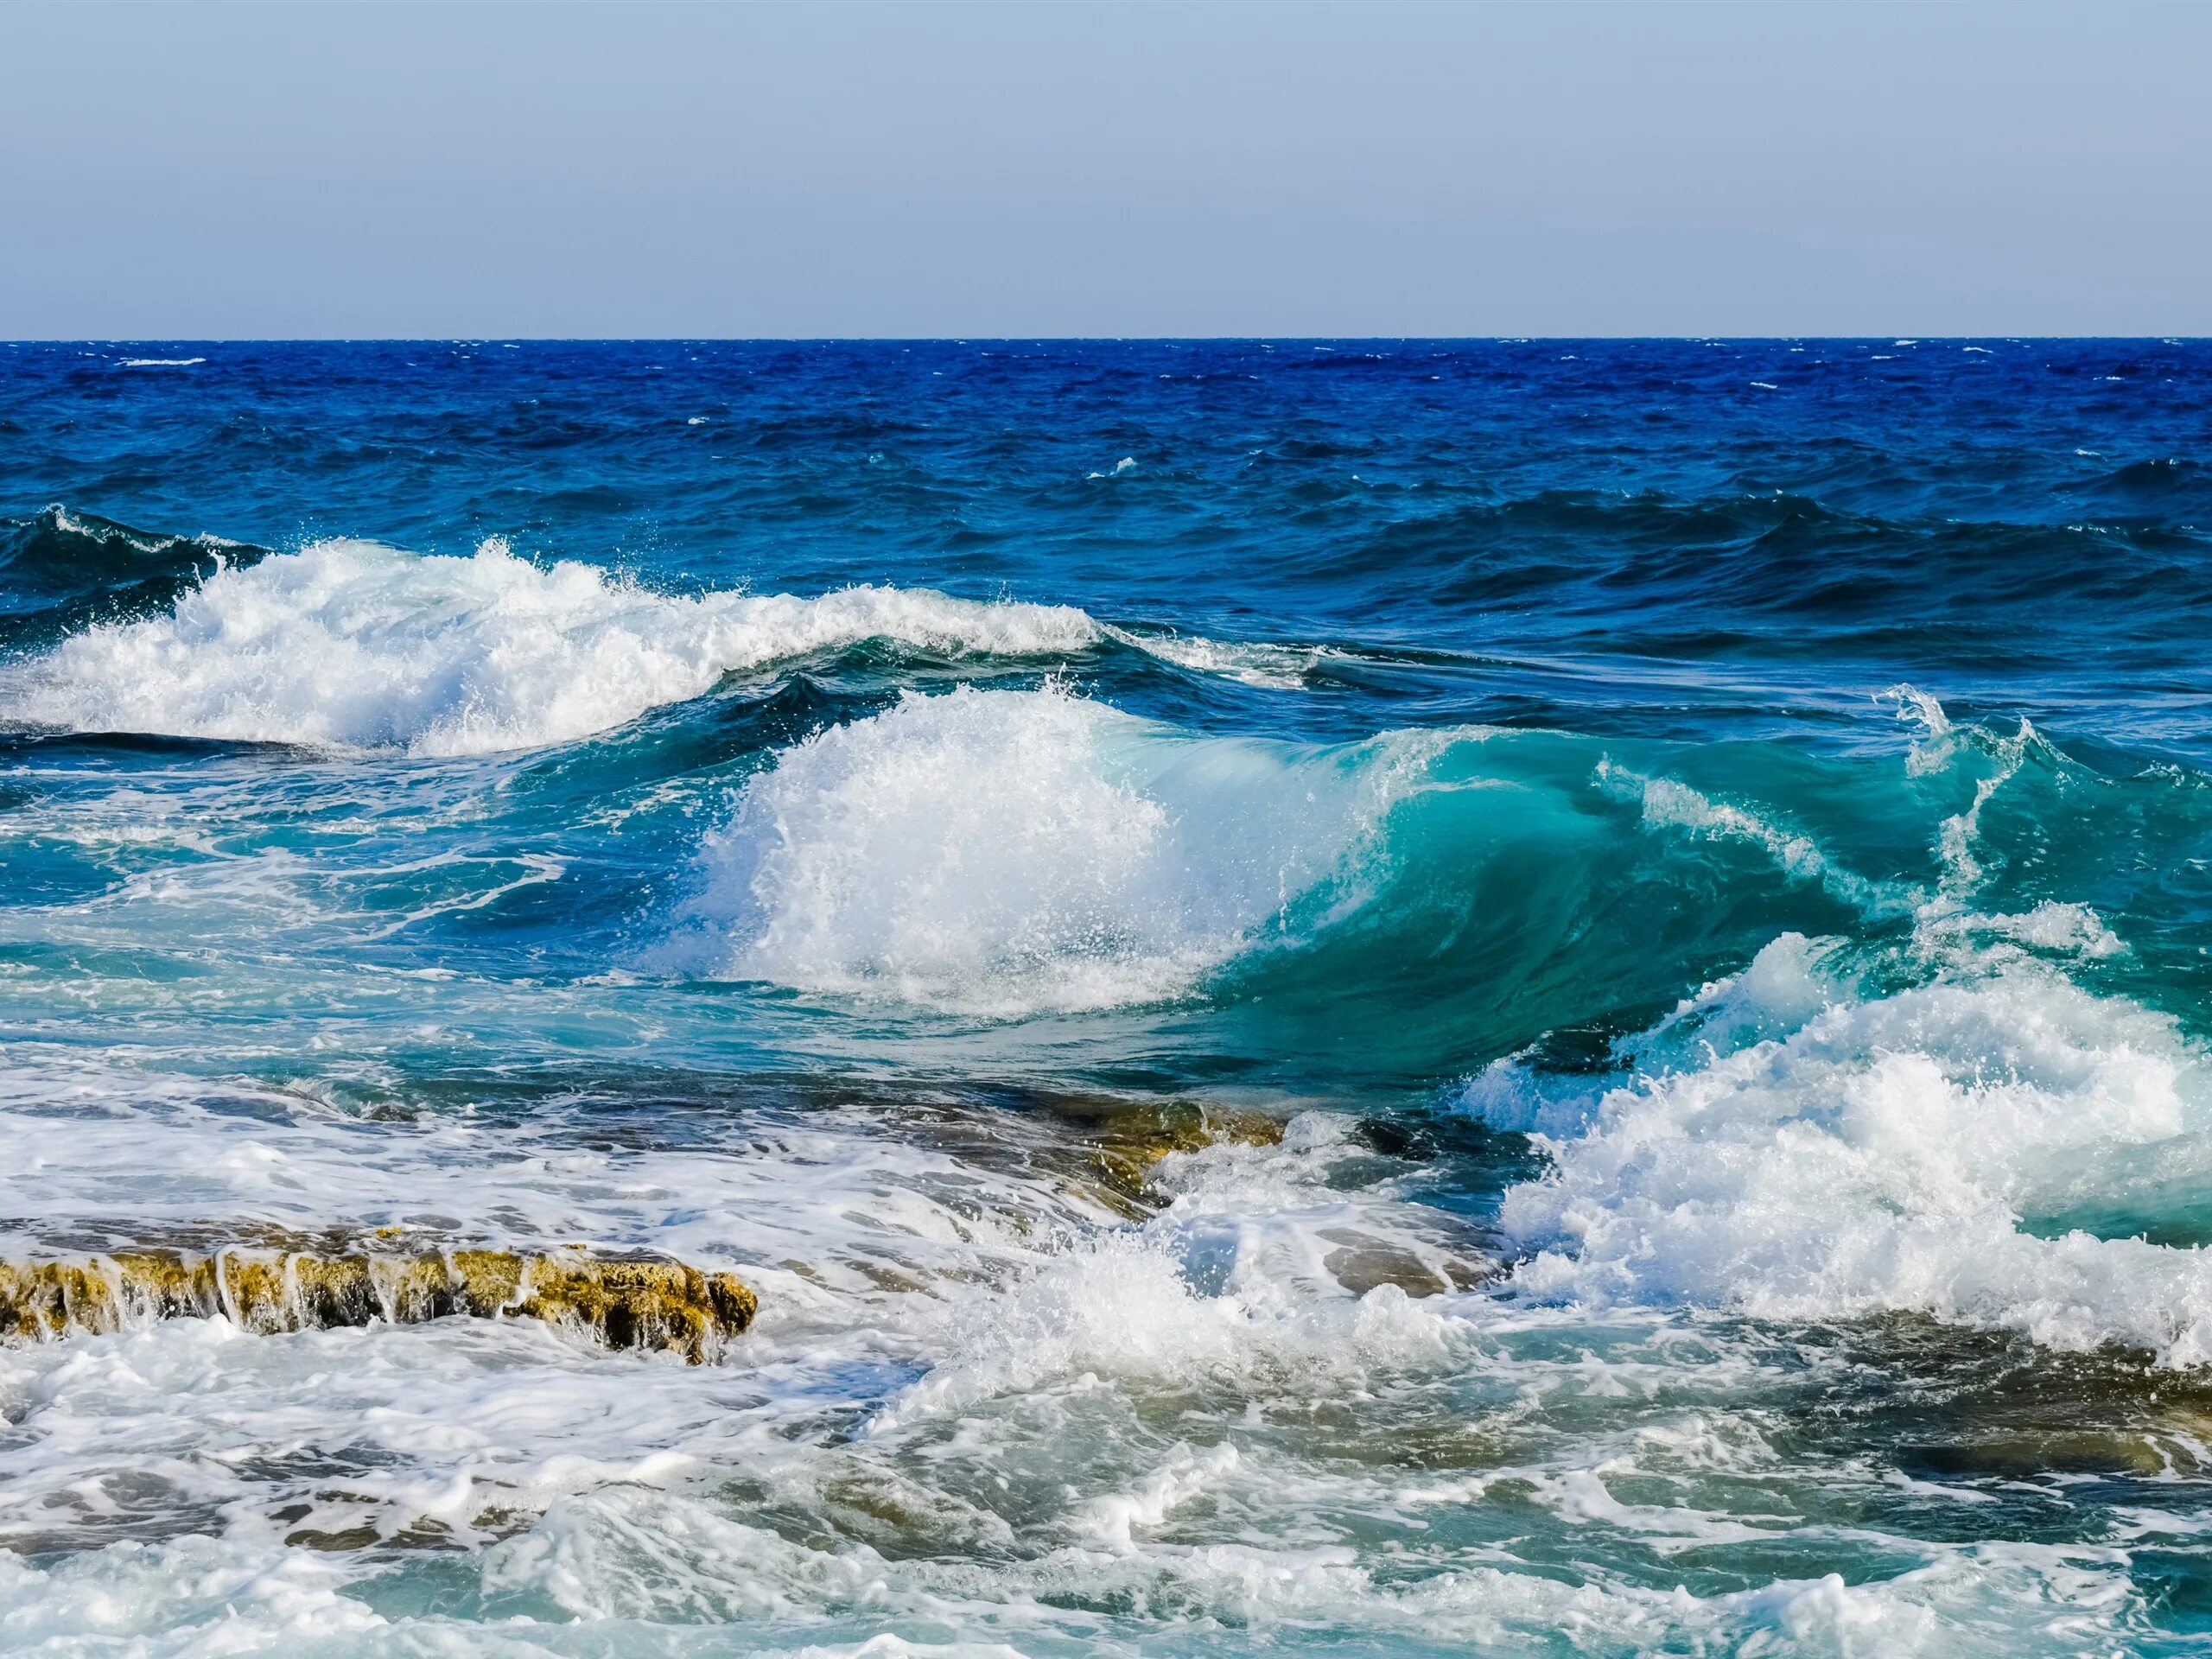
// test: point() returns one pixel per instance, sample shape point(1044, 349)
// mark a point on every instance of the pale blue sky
point(727, 169)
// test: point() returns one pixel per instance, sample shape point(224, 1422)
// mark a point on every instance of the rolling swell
point(1776, 573)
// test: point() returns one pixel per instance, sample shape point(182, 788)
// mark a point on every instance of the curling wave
point(62, 570)
point(1005, 852)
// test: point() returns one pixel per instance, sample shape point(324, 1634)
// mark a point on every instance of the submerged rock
point(624, 1303)
point(1128, 1140)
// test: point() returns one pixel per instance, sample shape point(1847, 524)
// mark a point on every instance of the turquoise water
point(1677, 870)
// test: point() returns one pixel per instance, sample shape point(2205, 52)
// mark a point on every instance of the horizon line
point(1898, 337)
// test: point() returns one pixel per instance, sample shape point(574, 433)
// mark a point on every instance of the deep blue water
point(1704, 844)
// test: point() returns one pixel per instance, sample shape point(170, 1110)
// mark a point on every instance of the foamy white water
point(1004, 852)
point(348, 644)
point(1984, 1148)
point(954, 1429)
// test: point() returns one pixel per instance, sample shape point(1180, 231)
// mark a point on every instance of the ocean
point(1410, 997)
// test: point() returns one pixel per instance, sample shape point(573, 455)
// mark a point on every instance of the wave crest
point(1005, 852)
point(60, 570)
point(350, 645)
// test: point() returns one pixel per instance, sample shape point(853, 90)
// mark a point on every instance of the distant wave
point(1773, 559)
point(160, 362)
point(351, 645)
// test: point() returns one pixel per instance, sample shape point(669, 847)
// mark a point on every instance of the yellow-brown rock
point(622, 1302)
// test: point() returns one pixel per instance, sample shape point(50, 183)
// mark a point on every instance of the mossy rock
point(622, 1302)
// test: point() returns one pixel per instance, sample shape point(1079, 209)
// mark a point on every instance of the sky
point(185, 170)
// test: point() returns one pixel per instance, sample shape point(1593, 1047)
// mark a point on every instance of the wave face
point(1535, 998)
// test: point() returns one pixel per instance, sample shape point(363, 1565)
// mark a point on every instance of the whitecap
point(1249, 662)
point(348, 645)
point(1798, 1148)
point(1004, 852)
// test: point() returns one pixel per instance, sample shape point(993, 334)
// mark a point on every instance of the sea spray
point(1004, 852)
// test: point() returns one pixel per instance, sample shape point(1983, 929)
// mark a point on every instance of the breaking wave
point(1995, 1147)
point(350, 645)
point(1003, 852)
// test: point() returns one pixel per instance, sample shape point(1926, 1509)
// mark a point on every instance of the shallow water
point(1653, 896)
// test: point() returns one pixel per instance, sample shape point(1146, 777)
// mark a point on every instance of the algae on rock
point(622, 1302)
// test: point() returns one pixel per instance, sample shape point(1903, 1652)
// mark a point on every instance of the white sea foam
point(353, 645)
point(1115, 1518)
point(1942, 744)
point(1150, 1419)
point(652, 1573)
point(145, 1154)
point(840, 1229)
point(1798, 1148)
point(1002, 852)
point(350, 645)
point(2052, 927)
point(1220, 1303)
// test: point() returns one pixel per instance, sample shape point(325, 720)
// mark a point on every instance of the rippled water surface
point(1525, 997)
